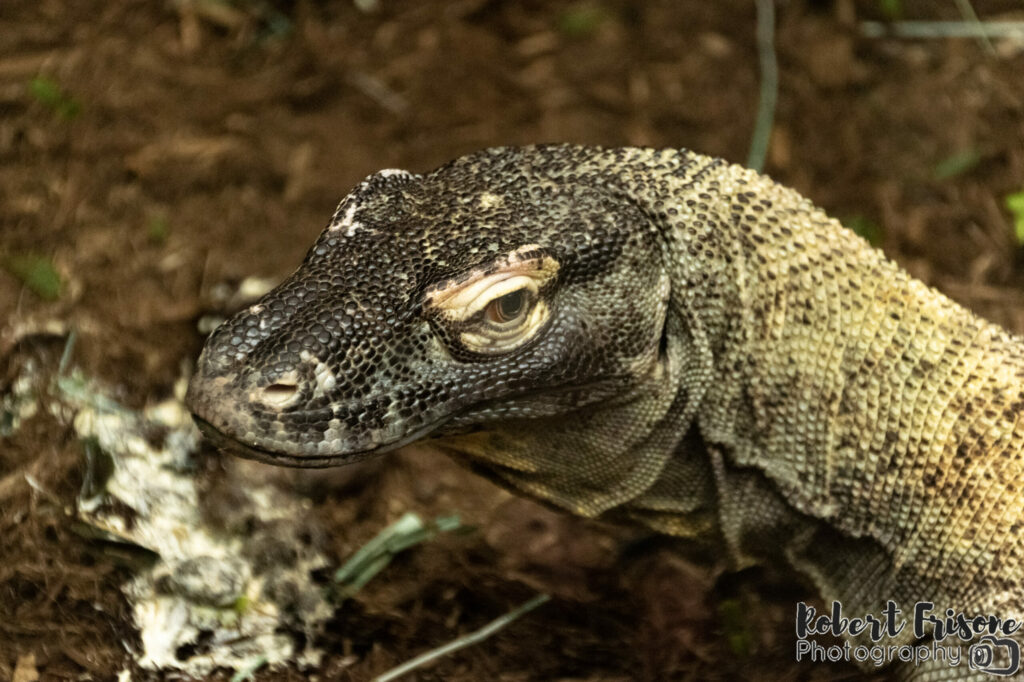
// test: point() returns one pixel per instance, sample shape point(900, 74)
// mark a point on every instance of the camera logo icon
point(987, 656)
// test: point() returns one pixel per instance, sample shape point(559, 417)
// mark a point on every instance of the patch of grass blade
point(866, 228)
point(734, 617)
point(37, 273)
point(891, 9)
point(158, 228)
point(1015, 202)
point(957, 164)
point(376, 554)
point(49, 93)
point(581, 19)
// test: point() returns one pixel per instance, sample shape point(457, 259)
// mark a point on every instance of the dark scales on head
point(347, 357)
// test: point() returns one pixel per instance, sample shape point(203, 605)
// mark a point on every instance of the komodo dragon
point(655, 335)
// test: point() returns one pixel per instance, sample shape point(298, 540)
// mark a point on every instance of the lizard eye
point(499, 307)
point(507, 308)
point(512, 312)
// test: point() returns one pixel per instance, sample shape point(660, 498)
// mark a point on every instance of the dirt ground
point(155, 154)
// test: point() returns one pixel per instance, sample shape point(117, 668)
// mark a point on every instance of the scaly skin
point(709, 354)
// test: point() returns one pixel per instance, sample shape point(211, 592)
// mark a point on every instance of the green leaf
point(956, 164)
point(49, 93)
point(241, 604)
point(45, 90)
point(866, 228)
point(892, 9)
point(37, 273)
point(581, 19)
point(1015, 202)
point(158, 229)
point(735, 619)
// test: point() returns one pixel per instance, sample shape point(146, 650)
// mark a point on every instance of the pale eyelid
point(499, 289)
point(459, 301)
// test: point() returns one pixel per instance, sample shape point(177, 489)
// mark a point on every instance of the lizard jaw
point(225, 443)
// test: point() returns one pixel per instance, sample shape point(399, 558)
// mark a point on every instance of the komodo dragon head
point(514, 304)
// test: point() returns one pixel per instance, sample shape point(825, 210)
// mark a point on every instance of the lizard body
point(651, 334)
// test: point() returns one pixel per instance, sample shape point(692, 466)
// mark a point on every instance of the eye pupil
point(508, 307)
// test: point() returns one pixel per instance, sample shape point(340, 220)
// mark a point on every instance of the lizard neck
point(859, 395)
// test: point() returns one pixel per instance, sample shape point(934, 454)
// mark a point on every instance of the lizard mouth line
point(226, 443)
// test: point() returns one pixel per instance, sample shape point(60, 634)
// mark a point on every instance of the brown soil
point(153, 151)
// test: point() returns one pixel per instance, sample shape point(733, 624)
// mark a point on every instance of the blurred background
point(156, 154)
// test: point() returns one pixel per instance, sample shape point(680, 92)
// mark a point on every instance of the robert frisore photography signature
point(936, 637)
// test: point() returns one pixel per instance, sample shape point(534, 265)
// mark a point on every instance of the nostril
point(279, 394)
